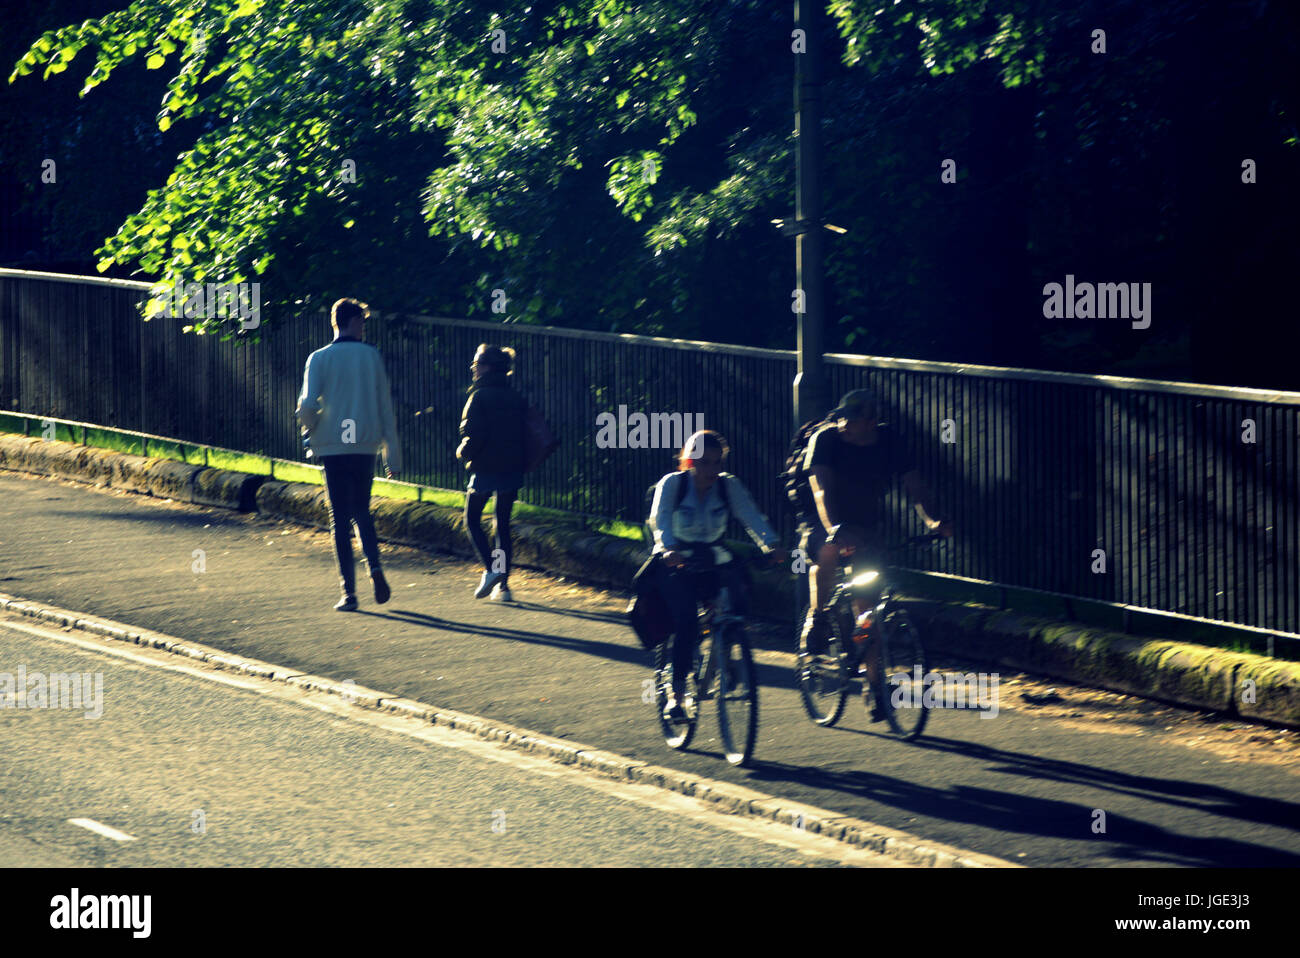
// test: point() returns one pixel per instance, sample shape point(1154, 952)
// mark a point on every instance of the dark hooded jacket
point(492, 426)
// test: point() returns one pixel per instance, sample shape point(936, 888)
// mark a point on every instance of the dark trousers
point(474, 504)
point(682, 592)
point(347, 483)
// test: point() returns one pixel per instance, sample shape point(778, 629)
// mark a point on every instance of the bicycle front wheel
point(737, 695)
point(824, 681)
point(901, 685)
point(677, 735)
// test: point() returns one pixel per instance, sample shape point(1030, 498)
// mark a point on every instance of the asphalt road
point(1023, 786)
point(197, 768)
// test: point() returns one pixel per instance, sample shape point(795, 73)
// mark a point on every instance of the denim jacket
point(702, 522)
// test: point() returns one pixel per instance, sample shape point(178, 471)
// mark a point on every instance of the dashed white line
point(101, 829)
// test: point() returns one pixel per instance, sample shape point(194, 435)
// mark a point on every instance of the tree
point(615, 165)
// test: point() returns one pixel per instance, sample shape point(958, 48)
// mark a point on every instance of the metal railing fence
point(1169, 496)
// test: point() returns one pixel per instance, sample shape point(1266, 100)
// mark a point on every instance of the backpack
point(682, 488)
point(539, 440)
point(794, 478)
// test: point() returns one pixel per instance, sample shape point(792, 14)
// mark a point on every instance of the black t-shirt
point(861, 473)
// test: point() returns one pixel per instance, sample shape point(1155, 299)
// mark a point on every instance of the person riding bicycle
point(688, 518)
point(849, 463)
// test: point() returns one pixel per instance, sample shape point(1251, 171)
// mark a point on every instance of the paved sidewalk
point(1023, 786)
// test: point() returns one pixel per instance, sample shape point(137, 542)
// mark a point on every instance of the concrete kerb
point(1181, 673)
point(161, 478)
point(724, 797)
point(225, 489)
point(1273, 687)
point(168, 479)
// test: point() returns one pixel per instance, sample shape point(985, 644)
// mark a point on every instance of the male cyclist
point(849, 464)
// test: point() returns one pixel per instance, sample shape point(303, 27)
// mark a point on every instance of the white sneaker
point(500, 594)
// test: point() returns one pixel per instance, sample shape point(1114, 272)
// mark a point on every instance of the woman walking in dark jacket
point(492, 448)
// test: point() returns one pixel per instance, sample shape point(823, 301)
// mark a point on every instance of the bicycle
point(723, 672)
point(824, 680)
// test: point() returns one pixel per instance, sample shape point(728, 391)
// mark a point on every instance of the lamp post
point(810, 393)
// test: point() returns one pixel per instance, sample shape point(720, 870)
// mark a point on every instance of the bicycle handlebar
point(697, 560)
point(917, 540)
point(928, 537)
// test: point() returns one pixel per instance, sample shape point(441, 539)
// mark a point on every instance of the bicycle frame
point(864, 649)
point(724, 673)
point(849, 584)
point(877, 579)
point(715, 615)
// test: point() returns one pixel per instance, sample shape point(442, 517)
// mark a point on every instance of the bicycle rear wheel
point(824, 682)
point(676, 735)
point(737, 695)
point(904, 665)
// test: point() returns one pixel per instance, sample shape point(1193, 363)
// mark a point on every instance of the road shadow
point(607, 650)
point(612, 618)
point(1013, 813)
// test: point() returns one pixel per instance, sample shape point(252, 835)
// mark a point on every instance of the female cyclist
point(688, 518)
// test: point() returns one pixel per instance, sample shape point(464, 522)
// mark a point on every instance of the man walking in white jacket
point(346, 410)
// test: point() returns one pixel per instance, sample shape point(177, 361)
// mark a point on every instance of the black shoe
point(877, 713)
point(382, 592)
point(675, 711)
point(346, 604)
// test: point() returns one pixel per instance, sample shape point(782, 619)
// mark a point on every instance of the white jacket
point(695, 520)
point(347, 405)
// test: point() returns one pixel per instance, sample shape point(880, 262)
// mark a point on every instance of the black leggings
point(474, 504)
point(683, 590)
point(347, 483)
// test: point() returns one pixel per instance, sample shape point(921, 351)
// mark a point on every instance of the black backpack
point(794, 478)
point(682, 488)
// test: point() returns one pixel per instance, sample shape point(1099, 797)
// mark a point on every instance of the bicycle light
point(865, 578)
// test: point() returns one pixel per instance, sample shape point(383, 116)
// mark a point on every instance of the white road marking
point(102, 829)
point(127, 653)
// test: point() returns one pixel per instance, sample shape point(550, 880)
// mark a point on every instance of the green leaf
point(155, 61)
